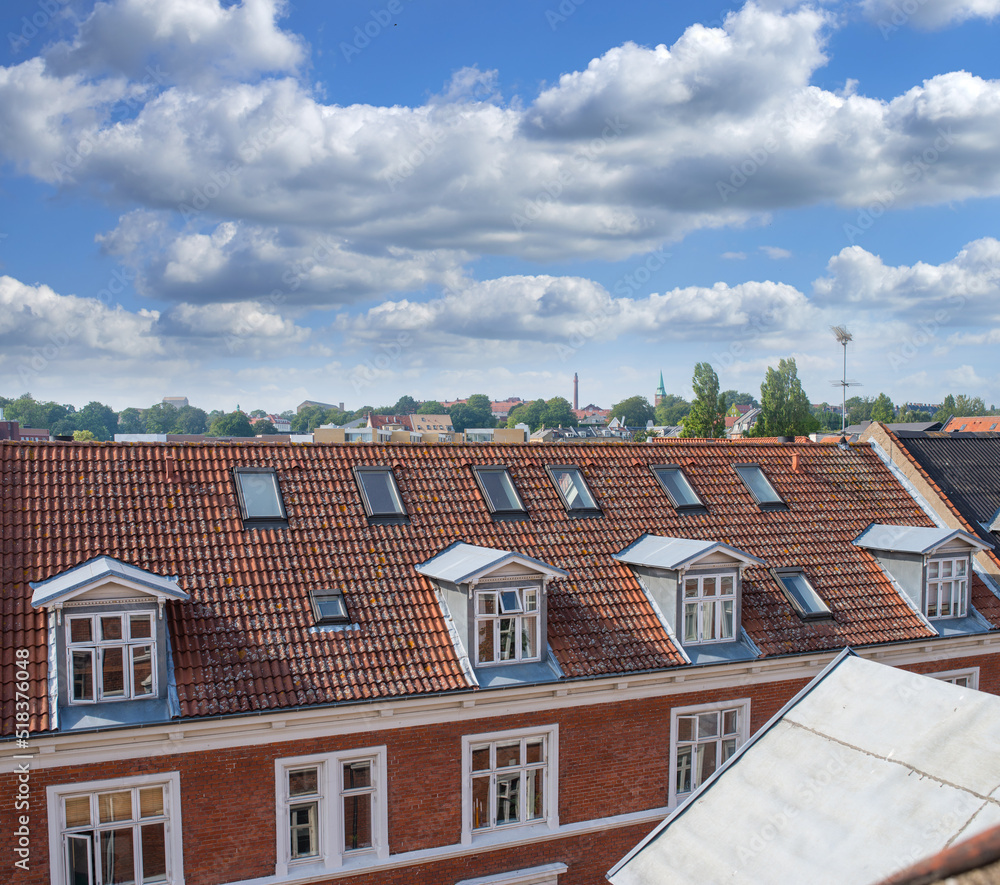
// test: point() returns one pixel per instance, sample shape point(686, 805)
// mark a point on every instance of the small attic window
point(802, 595)
point(760, 487)
point(380, 495)
point(680, 491)
point(498, 489)
point(260, 499)
point(573, 490)
point(329, 606)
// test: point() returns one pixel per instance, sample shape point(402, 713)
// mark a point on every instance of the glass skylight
point(802, 595)
point(380, 493)
point(259, 495)
point(329, 606)
point(499, 491)
point(681, 493)
point(573, 490)
point(759, 486)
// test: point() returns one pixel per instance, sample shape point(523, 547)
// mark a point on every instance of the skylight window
point(329, 606)
point(380, 494)
point(498, 489)
point(760, 487)
point(681, 493)
point(573, 490)
point(260, 499)
point(802, 595)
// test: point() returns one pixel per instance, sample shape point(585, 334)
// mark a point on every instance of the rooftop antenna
point(843, 336)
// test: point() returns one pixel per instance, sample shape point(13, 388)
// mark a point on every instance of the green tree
point(740, 398)
point(83, 436)
point(263, 428)
point(913, 416)
point(190, 419)
point(432, 407)
point(405, 405)
point(258, 413)
point(160, 418)
point(309, 419)
point(883, 410)
point(131, 420)
point(633, 412)
point(947, 409)
point(672, 410)
point(559, 413)
point(231, 424)
point(99, 419)
point(477, 411)
point(859, 408)
point(969, 407)
point(784, 404)
point(707, 417)
point(530, 413)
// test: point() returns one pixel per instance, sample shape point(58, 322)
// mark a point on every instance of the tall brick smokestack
point(576, 391)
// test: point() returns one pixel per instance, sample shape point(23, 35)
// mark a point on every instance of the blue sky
point(264, 202)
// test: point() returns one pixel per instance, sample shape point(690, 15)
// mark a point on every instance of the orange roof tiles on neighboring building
point(246, 640)
point(978, 424)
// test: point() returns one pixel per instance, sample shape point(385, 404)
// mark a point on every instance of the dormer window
point(680, 491)
point(260, 499)
point(947, 587)
point(111, 656)
point(329, 607)
point(709, 607)
point(499, 491)
point(800, 592)
point(507, 625)
point(573, 490)
point(380, 494)
point(760, 487)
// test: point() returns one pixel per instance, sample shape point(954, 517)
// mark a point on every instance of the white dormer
point(497, 602)
point(108, 641)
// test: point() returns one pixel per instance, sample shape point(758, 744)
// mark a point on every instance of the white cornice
point(267, 727)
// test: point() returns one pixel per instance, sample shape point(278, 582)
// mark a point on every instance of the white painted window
point(709, 607)
point(966, 678)
point(332, 809)
point(702, 739)
point(111, 657)
point(947, 587)
point(507, 625)
point(510, 781)
point(126, 831)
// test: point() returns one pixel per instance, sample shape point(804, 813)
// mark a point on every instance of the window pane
point(141, 626)
point(510, 601)
point(508, 787)
point(481, 758)
point(728, 748)
point(530, 600)
point(480, 803)
point(708, 621)
point(487, 603)
point(534, 783)
point(78, 811)
point(78, 849)
point(113, 672)
point(260, 495)
point(708, 586)
point(529, 638)
point(726, 585)
point(758, 484)
point(142, 670)
point(357, 774)
point(960, 568)
point(534, 751)
point(486, 651)
point(331, 608)
point(677, 487)
point(80, 630)
point(706, 761)
point(499, 490)
point(708, 725)
point(730, 722)
point(302, 830)
point(946, 568)
point(574, 490)
point(111, 628)
point(357, 822)
point(685, 728)
point(83, 676)
point(798, 588)
point(684, 769)
point(118, 856)
point(508, 754)
point(151, 802)
point(690, 587)
point(303, 782)
point(944, 598)
point(726, 631)
point(507, 638)
point(114, 806)
point(932, 569)
point(380, 489)
point(691, 622)
point(154, 853)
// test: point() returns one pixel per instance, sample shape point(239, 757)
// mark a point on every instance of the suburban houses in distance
point(437, 664)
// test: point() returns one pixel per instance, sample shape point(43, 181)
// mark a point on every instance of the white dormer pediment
point(680, 554)
point(104, 580)
point(923, 540)
point(463, 563)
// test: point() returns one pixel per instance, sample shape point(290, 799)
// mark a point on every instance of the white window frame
point(97, 647)
point(742, 705)
point(970, 674)
point(701, 601)
point(330, 813)
point(519, 617)
point(550, 790)
point(173, 830)
point(962, 595)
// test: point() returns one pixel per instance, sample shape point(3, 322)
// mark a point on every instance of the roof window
point(260, 499)
point(801, 594)
point(573, 490)
point(680, 491)
point(380, 494)
point(329, 606)
point(760, 487)
point(498, 489)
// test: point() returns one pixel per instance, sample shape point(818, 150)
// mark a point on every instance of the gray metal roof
point(102, 568)
point(461, 563)
point(912, 539)
point(864, 770)
point(657, 551)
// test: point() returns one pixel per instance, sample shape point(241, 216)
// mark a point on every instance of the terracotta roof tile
point(244, 639)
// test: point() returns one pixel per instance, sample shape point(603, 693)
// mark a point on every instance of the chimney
point(576, 391)
point(795, 463)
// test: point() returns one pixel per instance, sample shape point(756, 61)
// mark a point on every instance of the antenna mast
point(843, 336)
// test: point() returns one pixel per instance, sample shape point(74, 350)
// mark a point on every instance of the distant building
point(977, 424)
point(311, 403)
point(661, 393)
point(178, 402)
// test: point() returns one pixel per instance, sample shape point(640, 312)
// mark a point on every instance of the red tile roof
point(976, 424)
point(244, 642)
